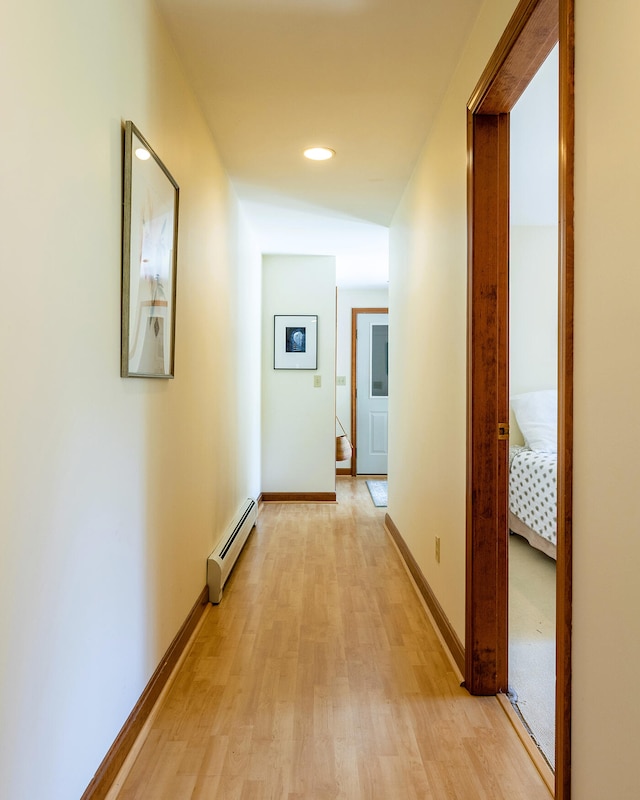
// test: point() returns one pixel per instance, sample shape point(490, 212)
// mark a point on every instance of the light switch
point(317, 381)
point(341, 380)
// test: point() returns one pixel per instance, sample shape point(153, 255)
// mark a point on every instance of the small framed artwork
point(295, 342)
point(149, 246)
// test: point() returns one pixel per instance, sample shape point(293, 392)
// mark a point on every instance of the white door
point(372, 393)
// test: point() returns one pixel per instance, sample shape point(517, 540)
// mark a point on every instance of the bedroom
point(533, 344)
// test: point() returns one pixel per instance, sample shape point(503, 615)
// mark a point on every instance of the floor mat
point(378, 492)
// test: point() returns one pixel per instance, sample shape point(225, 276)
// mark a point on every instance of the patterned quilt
point(533, 489)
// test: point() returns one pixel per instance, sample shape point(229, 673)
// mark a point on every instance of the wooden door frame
point(354, 412)
point(532, 32)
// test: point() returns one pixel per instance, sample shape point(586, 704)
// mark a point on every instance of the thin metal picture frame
point(149, 261)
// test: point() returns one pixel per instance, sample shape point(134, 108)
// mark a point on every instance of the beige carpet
point(532, 640)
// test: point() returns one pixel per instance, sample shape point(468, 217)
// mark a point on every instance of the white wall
point(349, 299)
point(606, 590)
point(533, 312)
point(298, 419)
point(533, 142)
point(428, 317)
point(533, 339)
point(533, 267)
point(113, 491)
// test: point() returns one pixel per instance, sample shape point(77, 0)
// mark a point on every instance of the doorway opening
point(534, 30)
point(369, 390)
point(533, 383)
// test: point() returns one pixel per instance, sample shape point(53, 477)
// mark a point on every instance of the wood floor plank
point(320, 676)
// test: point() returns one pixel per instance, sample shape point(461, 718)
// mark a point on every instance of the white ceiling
point(364, 77)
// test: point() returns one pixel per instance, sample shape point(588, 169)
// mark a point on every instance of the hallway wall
point(427, 313)
point(298, 442)
point(112, 491)
point(427, 427)
point(606, 590)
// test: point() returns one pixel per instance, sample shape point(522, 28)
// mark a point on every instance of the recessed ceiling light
point(319, 153)
point(142, 153)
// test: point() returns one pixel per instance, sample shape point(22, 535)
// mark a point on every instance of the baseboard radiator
point(221, 561)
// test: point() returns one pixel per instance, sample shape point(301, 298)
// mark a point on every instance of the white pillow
point(537, 416)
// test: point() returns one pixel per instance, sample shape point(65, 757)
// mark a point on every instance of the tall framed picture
point(149, 263)
point(295, 342)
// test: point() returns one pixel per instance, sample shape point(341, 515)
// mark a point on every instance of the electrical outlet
point(437, 549)
point(341, 380)
point(317, 381)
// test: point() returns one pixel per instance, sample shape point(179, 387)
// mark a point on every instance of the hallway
point(320, 676)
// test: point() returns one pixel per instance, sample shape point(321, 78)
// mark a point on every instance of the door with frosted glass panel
point(372, 393)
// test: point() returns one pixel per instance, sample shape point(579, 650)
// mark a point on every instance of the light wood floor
point(319, 676)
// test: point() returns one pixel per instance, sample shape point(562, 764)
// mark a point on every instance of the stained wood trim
point(564, 565)
point(343, 470)
point(298, 497)
point(528, 39)
point(113, 761)
point(544, 770)
point(486, 671)
point(354, 410)
point(447, 632)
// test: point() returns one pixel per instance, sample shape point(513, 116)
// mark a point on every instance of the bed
point(533, 471)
